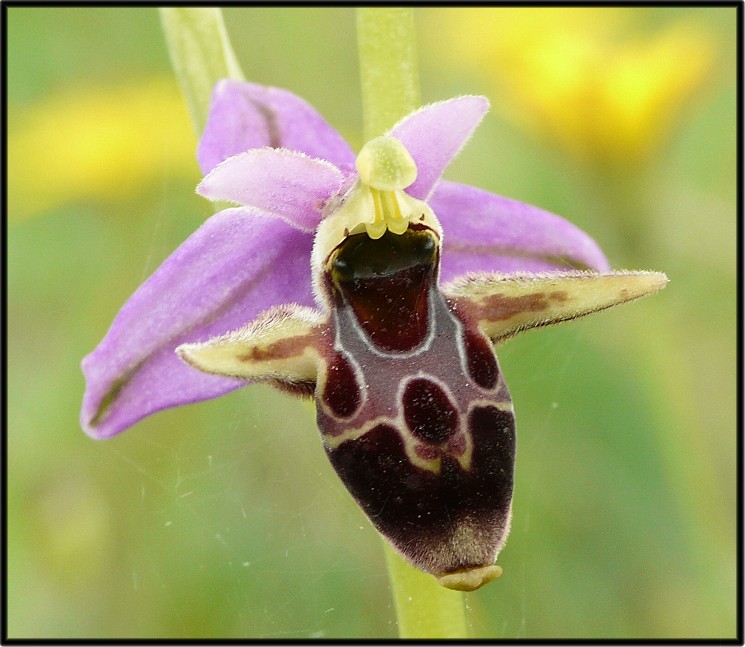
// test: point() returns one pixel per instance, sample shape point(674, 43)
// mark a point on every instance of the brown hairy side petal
point(281, 345)
point(502, 305)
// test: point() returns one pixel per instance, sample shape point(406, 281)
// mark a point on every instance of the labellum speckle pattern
point(415, 416)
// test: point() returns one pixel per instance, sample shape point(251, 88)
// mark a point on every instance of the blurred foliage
point(604, 88)
point(88, 133)
point(224, 519)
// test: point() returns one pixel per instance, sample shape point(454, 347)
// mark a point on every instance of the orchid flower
point(377, 287)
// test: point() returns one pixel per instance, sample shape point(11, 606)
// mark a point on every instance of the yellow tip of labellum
point(470, 579)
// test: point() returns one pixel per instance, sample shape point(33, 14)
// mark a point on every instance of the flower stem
point(424, 608)
point(390, 90)
point(201, 54)
point(388, 67)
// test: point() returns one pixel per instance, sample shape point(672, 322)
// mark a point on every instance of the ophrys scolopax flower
point(373, 286)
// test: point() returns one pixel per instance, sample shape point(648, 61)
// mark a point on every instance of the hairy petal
point(281, 344)
point(503, 305)
point(221, 277)
point(485, 232)
point(248, 115)
point(284, 183)
point(435, 134)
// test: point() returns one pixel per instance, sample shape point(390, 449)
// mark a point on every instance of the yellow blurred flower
point(577, 76)
point(100, 143)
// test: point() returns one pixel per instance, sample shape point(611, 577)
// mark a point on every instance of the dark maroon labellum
point(428, 412)
point(421, 428)
point(341, 393)
point(385, 283)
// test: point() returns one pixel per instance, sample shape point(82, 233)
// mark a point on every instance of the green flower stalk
point(201, 55)
point(389, 72)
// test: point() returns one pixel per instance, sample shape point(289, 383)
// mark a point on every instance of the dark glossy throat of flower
point(387, 282)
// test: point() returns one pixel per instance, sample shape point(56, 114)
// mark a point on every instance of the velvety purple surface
point(284, 183)
point(248, 115)
point(235, 265)
point(435, 134)
point(484, 232)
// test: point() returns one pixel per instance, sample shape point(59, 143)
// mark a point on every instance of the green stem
point(201, 55)
point(390, 90)
point(388, 67)
point(424, 608)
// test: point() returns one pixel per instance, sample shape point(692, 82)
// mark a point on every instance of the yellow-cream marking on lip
point(410, 441)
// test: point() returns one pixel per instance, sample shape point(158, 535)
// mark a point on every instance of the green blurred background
point(223, 519)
